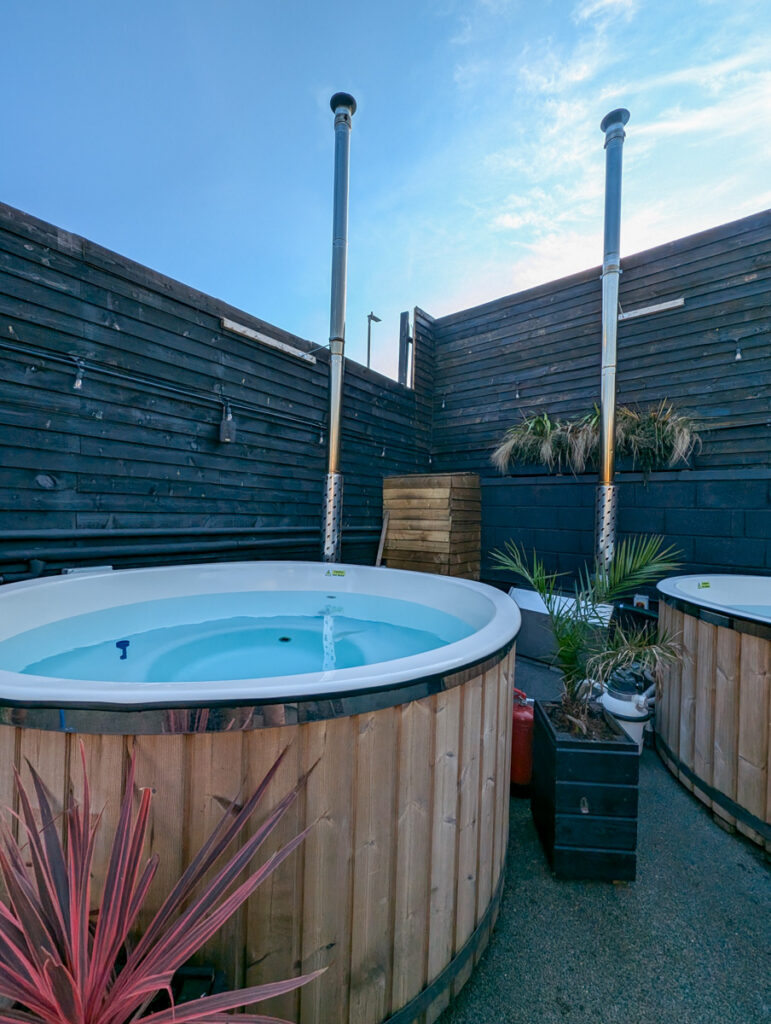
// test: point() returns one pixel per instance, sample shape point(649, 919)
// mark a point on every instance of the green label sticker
point(335, 572)
point(703, 586)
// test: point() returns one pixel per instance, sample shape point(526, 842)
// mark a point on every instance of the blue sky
point(195, 136)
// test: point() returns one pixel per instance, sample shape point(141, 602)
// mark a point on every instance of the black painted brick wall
point(717, 523)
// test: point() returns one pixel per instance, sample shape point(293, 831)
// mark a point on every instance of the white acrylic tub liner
point(747, 597)
point(35, 603)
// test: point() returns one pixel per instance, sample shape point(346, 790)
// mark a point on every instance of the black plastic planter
point(584, 802)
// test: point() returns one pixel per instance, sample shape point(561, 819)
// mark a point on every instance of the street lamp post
point(370, 318)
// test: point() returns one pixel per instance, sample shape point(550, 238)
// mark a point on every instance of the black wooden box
point(584, 802)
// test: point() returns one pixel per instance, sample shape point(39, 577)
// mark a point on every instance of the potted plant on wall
point(585, 767)
point(654, 438)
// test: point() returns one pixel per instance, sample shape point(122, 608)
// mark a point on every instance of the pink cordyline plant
point(61, 964)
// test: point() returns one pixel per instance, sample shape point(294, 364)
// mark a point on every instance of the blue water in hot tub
point(248, 635)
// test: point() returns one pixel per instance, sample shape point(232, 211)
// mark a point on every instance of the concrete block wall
point(718, 520)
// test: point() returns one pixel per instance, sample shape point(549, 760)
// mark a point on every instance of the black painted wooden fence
point(133, 461)
point(137, 447)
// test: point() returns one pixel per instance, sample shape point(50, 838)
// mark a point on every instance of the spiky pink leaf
point(191, 931)
point(220, 839)
point(54, 864)
point(18, 1017)
point(65, 992)
point(245, 1018)
point(27, 911)
point(114, 921)
point(201, 1009)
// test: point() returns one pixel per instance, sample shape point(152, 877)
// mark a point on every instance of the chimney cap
point(619, 115)
point(343, 99)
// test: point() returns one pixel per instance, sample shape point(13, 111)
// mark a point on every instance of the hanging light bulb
point(77, 384)
point(738, 355)
point(516, 391)
point(227, 425)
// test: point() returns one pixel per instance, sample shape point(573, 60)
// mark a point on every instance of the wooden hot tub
point(714, 706)
point(397, 886)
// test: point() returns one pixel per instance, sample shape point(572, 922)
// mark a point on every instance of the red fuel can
point(521, 740)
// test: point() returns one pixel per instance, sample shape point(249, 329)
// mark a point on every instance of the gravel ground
point(689, 942)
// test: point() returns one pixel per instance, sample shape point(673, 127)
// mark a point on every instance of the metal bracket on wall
point(661, 307)
point(264, 339)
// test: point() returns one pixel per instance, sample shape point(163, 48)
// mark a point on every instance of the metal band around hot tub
point(716, 618)
point(230, 716)
point(729, 805)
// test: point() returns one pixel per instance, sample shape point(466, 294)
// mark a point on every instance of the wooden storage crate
point(434, 523)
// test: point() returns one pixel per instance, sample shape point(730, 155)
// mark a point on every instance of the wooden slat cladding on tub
point(487, 788)
point(715, 718)
point(214, 775)
point(468, 819)
point(408, 815)
point(668, 718)
point(413, 845)
point(727, 669)
point(704, 724)
point(753, 743)
point(328, 753)
point(688, 673)
point(373, 860)
point(105, 761)
point(273, 918)
point(441, 924)
point(434, 523)
point(161, 765)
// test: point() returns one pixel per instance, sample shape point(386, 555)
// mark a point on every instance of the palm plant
point(60, 964)
point(590, 646)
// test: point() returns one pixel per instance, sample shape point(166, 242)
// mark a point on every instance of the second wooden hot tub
point(713, 712)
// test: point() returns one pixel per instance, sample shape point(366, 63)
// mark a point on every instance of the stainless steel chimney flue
point(605, 532)
point(344, 107)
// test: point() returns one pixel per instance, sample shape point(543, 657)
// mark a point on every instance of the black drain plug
point(284, 639)
point(122, 646)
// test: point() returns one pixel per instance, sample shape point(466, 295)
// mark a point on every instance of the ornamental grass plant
point(653, 438)
point(63, 963)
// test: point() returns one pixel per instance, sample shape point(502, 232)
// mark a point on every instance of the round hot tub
point(714, 709)
point(394, 687)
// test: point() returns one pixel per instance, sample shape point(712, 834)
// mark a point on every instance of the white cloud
point(741, 113)
point(514, 197)
point(467, 75)
point(464, 34)
point(554, 73)
point(588, 9)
